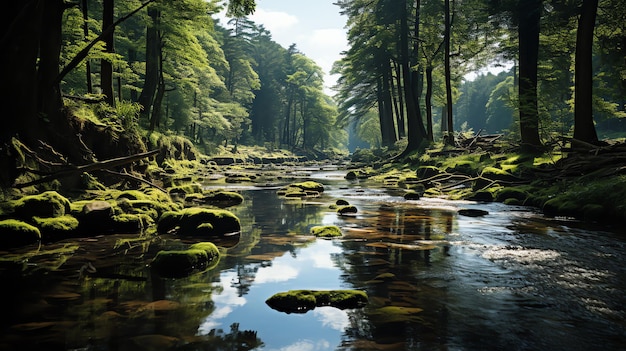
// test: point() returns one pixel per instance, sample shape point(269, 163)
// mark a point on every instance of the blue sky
point(316, 27)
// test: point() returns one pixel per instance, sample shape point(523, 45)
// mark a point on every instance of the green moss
point(192, 221)
point(175, 264)
point(15, 233)
point(326, 231)
point(56, 228)
point(46, 204)
point(309, 185)
point(190, 188)
point(511, 193)
point(215, 198)
point(346, 209)
point(301, 301)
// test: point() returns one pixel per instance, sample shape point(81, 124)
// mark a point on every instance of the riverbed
point(436, 280)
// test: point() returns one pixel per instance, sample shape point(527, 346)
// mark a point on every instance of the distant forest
point(169, 67)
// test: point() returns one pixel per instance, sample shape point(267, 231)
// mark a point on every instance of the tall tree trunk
point(529, 15)
point(153, 48)
point(449, 140)
point(428, 101)
point(86, 34)
point(416, 133)
point(584, 128)
point(388, 105)
point(106, 67)
point(48, 92)
point(157, 104)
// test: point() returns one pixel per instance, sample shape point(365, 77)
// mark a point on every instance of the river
point(436, 280)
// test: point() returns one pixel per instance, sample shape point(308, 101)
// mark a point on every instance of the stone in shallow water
point(471, 212)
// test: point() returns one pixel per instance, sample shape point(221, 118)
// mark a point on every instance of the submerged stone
point(471, 212)
point(302, 301)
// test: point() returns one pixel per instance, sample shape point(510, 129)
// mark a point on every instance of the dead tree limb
point(107, 164)
point(135, 178)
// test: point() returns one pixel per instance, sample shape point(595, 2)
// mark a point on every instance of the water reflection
point(436, 280)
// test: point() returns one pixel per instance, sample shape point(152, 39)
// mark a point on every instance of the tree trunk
point(449, 140)
point(153, 47)
point(416, 133)
point(429, 104)
point(584, 128)
point(106, 67)
point(86, 34)
point(529, 14)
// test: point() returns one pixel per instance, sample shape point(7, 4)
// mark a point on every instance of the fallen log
point(96, 166)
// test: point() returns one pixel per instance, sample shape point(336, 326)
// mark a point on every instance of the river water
point(436, 280)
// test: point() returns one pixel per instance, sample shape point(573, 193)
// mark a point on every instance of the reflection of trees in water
point(265, 214)
point(399, 277)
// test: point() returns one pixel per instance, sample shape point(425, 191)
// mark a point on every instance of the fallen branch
point(89, 168)
point(132, 177)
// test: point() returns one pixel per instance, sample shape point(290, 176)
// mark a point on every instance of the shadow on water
point(435, 280)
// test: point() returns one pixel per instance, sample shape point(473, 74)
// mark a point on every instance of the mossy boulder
point(181, 263)
point(511, 193)
point(326, 231)
point(46, 204)
point(351, 175)
point(309, 186)
point(342, 202)
point(302, 301)
point(194, 221)
point(215, 198)
point(185, 189)
point(15, 233)
point(342, 210)
point(56, 228)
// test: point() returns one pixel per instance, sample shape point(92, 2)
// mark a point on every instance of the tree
point(584, 128)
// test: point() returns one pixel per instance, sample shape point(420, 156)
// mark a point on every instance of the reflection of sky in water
point(319, 329)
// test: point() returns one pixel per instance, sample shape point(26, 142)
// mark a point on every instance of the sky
point(315, 26)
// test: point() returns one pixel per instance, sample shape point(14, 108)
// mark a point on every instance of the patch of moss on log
point(302, 301)
point(326, 231)
point(15, 233)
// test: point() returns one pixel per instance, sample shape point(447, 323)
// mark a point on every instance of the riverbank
point(588, 185)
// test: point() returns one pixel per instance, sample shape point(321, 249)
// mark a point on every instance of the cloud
point(307, 345)
point(278, 272)
point(274, 21)
point(332, 317)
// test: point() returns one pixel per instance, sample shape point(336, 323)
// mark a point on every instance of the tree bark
point(529, 15)
point(86, 34)
point(449, 140)
point(151, 79)
point(584, 128)
point(106, 67)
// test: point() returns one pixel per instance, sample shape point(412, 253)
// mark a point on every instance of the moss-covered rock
point(15, 233)
point(347, 209)
point(215, 198)
point(302, 301)
point(46, 204)
point(326, 231)
point(511, 193)
point(193, 222)
point(309, 186)
point(56, 228)
point(198, 257)
point(342, 202)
